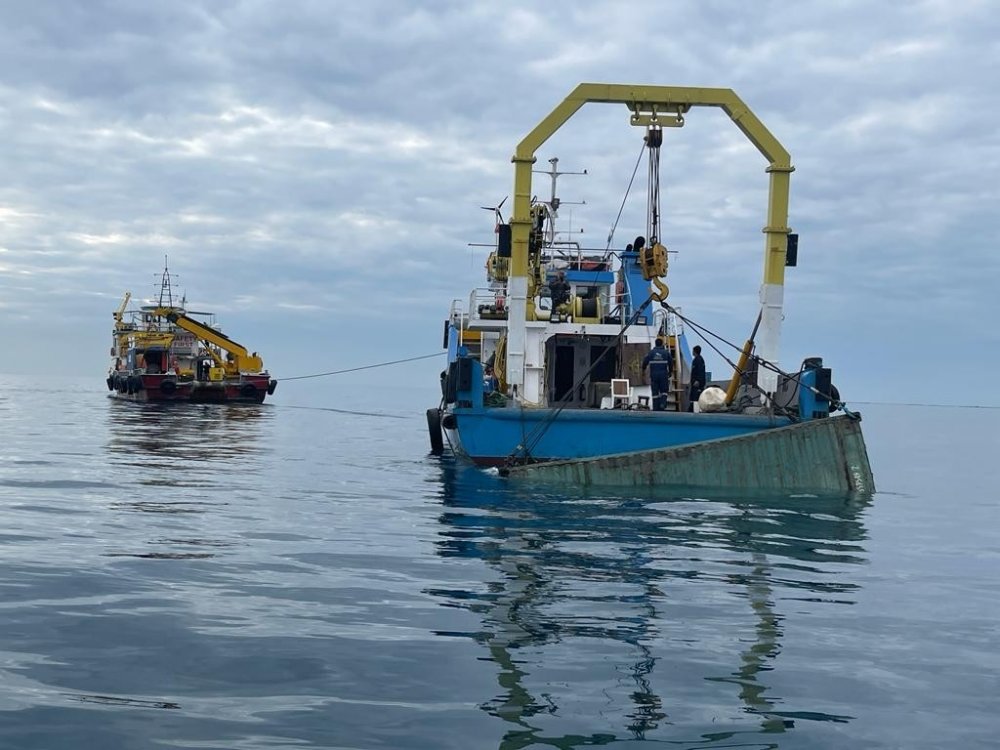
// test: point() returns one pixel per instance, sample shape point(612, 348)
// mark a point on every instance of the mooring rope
point(363, 367)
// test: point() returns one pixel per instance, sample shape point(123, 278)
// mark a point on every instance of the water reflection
point(180, 465)
point(185, 433)
point(678, 595)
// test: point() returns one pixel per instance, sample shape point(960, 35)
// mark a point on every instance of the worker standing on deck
point(697, 378)
point(659, 362)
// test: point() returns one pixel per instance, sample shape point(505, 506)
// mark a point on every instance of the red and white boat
point(164, 352)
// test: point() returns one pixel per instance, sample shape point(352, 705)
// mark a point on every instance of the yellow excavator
point(239, 361)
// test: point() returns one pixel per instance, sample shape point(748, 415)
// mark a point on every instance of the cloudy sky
point(314, 170)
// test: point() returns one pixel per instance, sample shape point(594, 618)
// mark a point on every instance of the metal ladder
point(671, 330)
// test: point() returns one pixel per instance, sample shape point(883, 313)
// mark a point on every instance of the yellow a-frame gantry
point(666, 106)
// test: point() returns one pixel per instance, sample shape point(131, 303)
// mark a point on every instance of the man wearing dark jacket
point(559, 288)
point(659, 362)
point(697, 377)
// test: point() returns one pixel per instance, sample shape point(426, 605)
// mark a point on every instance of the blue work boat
point(545, 361)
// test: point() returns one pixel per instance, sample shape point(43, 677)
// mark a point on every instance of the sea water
point(302, 574)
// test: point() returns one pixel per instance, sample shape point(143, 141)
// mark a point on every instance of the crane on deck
point(239, 361)
point(120, 312)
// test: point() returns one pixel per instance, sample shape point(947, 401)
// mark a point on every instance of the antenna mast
point(166, 293)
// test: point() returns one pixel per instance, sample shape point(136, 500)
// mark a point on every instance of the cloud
point(322, 164)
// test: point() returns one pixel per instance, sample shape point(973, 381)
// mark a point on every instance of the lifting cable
point(611, 233)
point(653, 140)
point(363, 367)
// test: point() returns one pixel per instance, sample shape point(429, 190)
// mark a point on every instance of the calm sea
point(303, 575)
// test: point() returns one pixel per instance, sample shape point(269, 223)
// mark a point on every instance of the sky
point(314, 171)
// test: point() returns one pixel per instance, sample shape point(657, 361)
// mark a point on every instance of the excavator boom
point(244, 360)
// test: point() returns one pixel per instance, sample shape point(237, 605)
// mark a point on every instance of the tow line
point(363, 367)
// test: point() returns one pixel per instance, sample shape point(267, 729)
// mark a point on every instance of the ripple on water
point(277, 577)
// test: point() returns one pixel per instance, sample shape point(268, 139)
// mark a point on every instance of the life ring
point(168, 386)
point(248, 390)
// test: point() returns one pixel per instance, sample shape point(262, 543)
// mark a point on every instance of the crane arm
point(121, 308)
point(245, 361)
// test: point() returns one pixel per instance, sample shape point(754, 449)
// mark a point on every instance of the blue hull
point(490, 436)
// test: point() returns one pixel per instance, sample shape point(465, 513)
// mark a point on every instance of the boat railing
point(661, 320)
point(488, 304)
point(576, 258)
point(667, 321)
point(674, 325)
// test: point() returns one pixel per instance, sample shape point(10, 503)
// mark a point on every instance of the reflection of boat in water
point(163, 352)
point(173, 455)
point(636, 619)
point(180, 469)
point(206, 433)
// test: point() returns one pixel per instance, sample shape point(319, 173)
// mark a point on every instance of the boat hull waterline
point(252, 389)
point(497, 436)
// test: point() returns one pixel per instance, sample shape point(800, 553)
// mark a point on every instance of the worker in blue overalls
point(660, 363)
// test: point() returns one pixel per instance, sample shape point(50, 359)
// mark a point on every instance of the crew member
point(559, 289)
point(659, 362)
point(490, 382)
point(697, 377)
